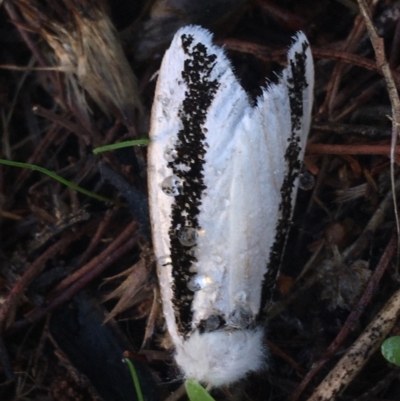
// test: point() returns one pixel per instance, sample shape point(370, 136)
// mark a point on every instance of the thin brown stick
point(37, 155)
point(354, 251)
point(103, 226)
point(333, 84)
point(78, 285)
point(379, 48)
point(353, 317)
point(368, 342)
point(348, 129)
point(349, 58)
point(14, 17)
point(354, 149)
point(64, 122)
point(277, 351)
point(22, 68)
point(30, 274)
point(122, 238)
point(282, 16)
point(267, 54)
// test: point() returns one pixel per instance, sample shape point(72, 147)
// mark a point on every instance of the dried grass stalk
point(85, 46)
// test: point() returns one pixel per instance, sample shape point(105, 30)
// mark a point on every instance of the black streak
point(296, 86)
point(190, 153)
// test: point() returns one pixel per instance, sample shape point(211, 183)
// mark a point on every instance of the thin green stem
point(125, 144)
point(135, 379)
point(58, 178)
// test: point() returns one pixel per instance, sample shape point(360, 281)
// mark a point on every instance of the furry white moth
point(222, 178)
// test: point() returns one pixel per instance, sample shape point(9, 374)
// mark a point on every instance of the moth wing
point(251, 170)
point(293, 95)
point(165, 125)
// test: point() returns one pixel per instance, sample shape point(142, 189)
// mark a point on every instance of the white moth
point(222, 178)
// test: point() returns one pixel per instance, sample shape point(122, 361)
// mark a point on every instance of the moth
point(222, 178)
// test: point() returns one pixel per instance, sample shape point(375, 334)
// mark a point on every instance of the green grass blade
point(196, 392)
point(132, 370)
point(125, 144)
point(58, 178)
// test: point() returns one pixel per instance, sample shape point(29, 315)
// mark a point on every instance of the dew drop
point(240, 297)
point(306, 181)
point(212, 323)
point(188, 236)
point(197, 282)
point(170, 154)
point(172, 185)
point(240, 318)
point(166, 114)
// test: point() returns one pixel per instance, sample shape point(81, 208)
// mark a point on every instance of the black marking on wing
point(188, 166)
point(296, 87)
